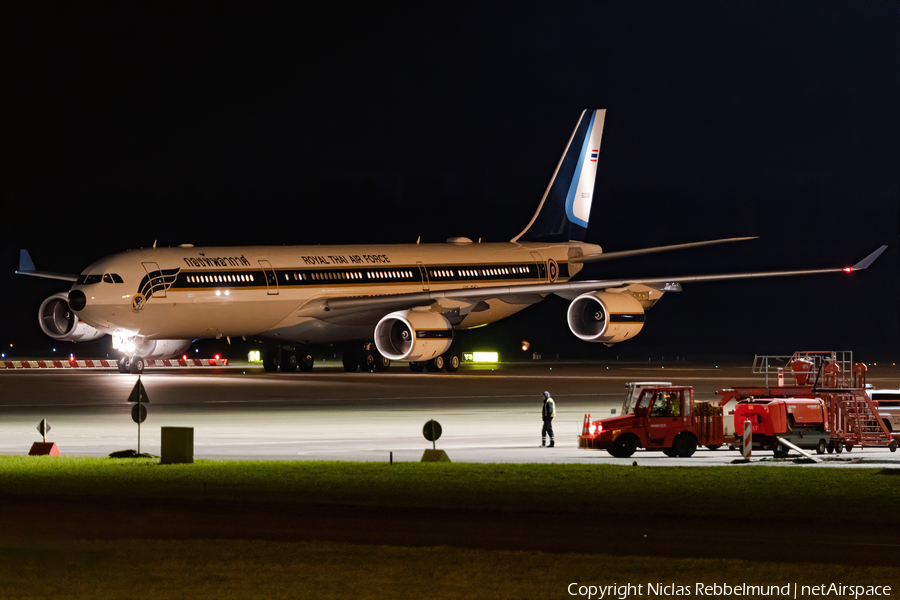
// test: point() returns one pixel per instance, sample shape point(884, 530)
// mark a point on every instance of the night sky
point(239, 124)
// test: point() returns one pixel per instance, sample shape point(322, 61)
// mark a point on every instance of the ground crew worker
point(547, 414)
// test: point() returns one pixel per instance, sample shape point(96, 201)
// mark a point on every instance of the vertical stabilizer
point(565, 209)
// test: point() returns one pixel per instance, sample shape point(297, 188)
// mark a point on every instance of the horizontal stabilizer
point(642, 251)
point(864, 263)
point(26, 267)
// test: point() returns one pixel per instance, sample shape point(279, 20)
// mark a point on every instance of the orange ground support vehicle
point(662, 418)
point(801, 421)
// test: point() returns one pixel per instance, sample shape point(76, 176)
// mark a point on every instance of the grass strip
point(241, 569)
point(703, 492)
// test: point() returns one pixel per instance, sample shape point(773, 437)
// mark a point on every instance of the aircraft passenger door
point(155, 285)
point(541, 267)
point(271, 278)
point(424, 273)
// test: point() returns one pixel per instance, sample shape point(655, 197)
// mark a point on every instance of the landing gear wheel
point(289, 363)
point(137, 365)
point(623, 447)
point(122, 363)
point(452, 363)
point(416, 367)
point(367, 364)
point(684, 445)
point(270, 362)
point(435, 364)
point(305, 362)
point(820, 448)
point(382, 363)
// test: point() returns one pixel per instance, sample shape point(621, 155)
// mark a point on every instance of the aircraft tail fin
point(564, 210)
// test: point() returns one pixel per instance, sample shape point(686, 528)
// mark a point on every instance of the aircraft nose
point(77, 300)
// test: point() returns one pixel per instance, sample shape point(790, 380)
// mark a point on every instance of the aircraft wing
point(570, 290)
point(26, 267)
point(586, 258)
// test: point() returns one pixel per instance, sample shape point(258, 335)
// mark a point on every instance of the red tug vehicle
point(826, 413)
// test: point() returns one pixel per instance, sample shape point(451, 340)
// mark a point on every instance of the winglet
point(26, 265)
point(864, 263)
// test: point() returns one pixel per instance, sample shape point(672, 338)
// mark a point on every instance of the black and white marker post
point(139, 411)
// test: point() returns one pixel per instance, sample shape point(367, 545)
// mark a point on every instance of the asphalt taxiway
point(488, 413)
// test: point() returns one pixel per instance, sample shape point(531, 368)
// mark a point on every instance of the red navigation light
point(847, 269)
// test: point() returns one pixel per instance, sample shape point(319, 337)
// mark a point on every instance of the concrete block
point(177, 445)
point(435, 456)
point(44, 448)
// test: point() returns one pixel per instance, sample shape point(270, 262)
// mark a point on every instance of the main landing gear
point(445, 362)
point(366, 359)
point(287, 359)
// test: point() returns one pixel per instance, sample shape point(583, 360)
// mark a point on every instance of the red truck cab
point(663, 418)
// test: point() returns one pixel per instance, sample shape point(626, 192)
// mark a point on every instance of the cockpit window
point(112, 278)
point(89, 279)
point(116, 278)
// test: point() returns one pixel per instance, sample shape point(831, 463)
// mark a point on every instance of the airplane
point(398, 302)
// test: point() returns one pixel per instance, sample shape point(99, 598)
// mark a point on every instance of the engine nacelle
point(138, 346)
point(605, 317)
point(58, 321)
point(414, 335)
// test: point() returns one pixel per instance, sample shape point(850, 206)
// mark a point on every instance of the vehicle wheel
point(684, 445)
point(137, 365)
point(416, 367)
point(452, 363)
point(893, 446)
point(289, 363)
point(623, 446)
point(350, 360)
point(670, 452)
point(270, 362)
point(820, 448)
point(713, 446)
point(435, 364)
point(305, 362)
point(830, 449)
point(779, 451)
point(839, 448)
point(122, 363)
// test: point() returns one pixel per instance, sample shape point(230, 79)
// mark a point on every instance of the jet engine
point(606, 317)
point(59, 321)
point(415, 335)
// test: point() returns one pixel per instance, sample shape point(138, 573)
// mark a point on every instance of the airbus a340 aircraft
point(408, 299)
